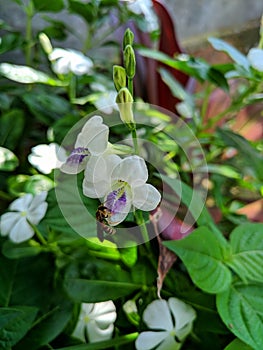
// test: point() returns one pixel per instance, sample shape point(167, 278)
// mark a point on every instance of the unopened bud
point(45, 43)
point(124, 100)
point(127, 38)
point(119, 77)
point(129, 61)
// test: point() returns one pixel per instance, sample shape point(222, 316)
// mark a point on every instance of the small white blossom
point(96, 321)
point(66, 61)
point(23, 211)
point(171, 322)
point(45, 158)
point(91, 141)
point(255, 57)
point(105, 100)
point(145, 8)
point(122, 185)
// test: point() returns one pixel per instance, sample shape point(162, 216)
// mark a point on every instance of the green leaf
point(14, 324)
point(106, 344)
point(88, 10)
point(203, 255)
point(48, 5)
point(11, 128)
point(14, 251)
point(27, 75)
point(240, 308)
point(10, 42)
point(48, 326)
point(7, 276)
point(247, 248)
point(98, 281)
point(237, 344)
point(224, 170)
point(129, 255)
point(8, 161)
point(251, 159)
point(232, 52)
point(194, 67)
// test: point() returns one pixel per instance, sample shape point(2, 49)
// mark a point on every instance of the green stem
point(140, 221)
point(29, 43)
point(135, 141)
point(72, 87)
point(39, 235)
point(130, 85)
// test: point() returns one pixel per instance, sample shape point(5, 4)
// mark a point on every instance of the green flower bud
point(119, 77)
point(129, 61)
point(45, 43)
point(124, 100)
point(127, 38)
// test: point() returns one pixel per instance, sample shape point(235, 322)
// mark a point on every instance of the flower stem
point(29, 15)
point(39, 235)
point(140, 221)
point(130, 85)
point(135, 141)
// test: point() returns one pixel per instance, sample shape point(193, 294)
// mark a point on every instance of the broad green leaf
point(10, 42)
point(237, 344)
point(203, 255)
point(7, 277)
point(48, 326)
point(15, 251)
point(27, 75)
point(46, 107)
point(236, 55)
point(129, 255)
point(106, 344)
point(88, 11)
point(98, 281)
point(14, 324)
point(241, 309)
point(224, 170)
point(251, 159)
point(11, 128)
point(8, 161)
point(21, 184)
point(194, 67)
point(48, 5)
point(247, 248)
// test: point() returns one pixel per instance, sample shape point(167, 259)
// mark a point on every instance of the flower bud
point(125, 100)
point(45, 43)
point(129, 61)
point(119, 77)
point(127, 38)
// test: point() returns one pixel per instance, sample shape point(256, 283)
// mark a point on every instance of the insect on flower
point(102, 216)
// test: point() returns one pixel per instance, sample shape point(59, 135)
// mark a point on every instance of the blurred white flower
point(65, 61)
point(255, 57)
point(122, 184)
point(23, 211)
point(145, 8)
point(171, 321)
point(105, 100)
point(96, 321)
point(91, 141)
point(45, 158)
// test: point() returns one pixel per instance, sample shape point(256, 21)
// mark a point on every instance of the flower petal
point(97, 334)
point(37, 208)
point(148, 340)
point(184, 316)
point(103, 308)
point(101, 168)
point(157, 315)
point(169, 343)
point(76, 161)
point(21, 231)
point(22, 203)
point(94, 136)
point(7, 221)
point(79, 331)
point(146, 197)
point(132, 170)
point(255, 57)
point(119, 202)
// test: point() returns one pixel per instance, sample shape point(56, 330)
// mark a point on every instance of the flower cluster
point(120, 183)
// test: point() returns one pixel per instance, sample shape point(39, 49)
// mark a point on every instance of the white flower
point(105, 99)
point(122, 184)
point(23, 211)
point(145, 8)
point(47, 157)
point(65, 61)
point(91, 141)
point(96, 321)
point(255, 57)
point(167, 334)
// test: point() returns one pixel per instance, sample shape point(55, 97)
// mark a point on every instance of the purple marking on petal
point(77, 155)
point(116, 200)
